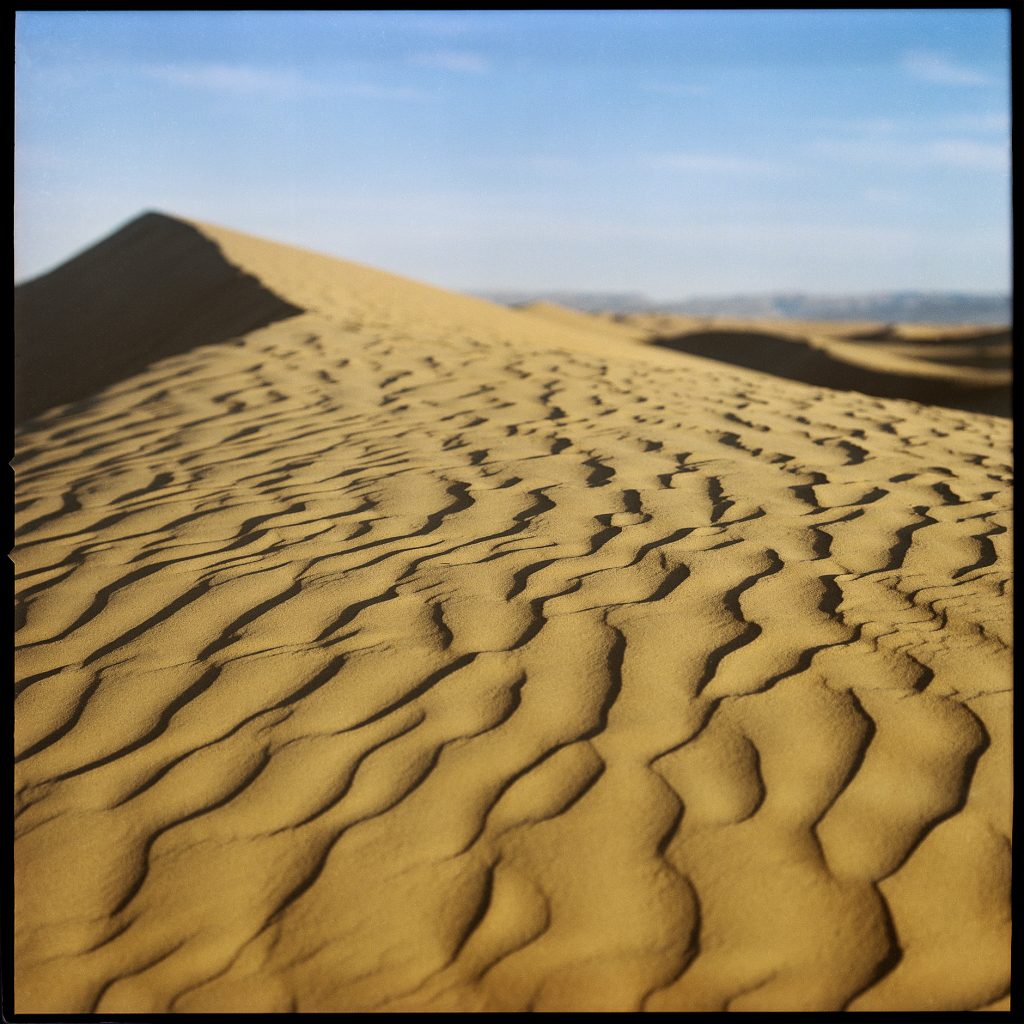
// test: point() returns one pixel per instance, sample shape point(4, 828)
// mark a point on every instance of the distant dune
point(382, 649)
point(962, 368)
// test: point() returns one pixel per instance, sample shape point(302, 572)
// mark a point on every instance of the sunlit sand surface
point(382, 649)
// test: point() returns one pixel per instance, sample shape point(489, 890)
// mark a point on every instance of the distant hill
point(905, 307)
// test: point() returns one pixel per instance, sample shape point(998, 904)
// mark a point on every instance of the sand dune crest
point(155, 288)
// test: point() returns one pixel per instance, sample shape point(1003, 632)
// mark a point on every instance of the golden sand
point(382, 649)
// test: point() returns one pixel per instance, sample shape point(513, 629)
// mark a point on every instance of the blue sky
point(672, 153)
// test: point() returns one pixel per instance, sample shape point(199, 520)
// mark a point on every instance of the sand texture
point(957, 367)
point(382, 649)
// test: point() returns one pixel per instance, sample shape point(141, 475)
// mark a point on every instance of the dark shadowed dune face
point(937, 337)
point(155, 288)
point(934, 380)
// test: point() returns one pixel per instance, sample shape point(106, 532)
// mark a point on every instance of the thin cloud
point(998, 124)
point(934, 67)
point(676, 90)
point(713, 163)
point(964, 153)
point(461, 62)
point(885, 196)
point(234, 79)
point(248, 80)
point(559, 165)
point(981, 156)
point(368, 91)
point(980, 124)
point(862, 125)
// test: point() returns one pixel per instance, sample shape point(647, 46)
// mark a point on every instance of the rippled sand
point(382, 649)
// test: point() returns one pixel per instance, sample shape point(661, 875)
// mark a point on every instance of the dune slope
point(410, 653)
point(964, 376)
point(82, 327)
point(960, 368)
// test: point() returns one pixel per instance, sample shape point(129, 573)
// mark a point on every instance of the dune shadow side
point(794, 360)
point(155, 288)
point(980, 338)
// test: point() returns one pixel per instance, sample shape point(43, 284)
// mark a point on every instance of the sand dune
point(81, 327)
point(382, 649)
point(960, 368)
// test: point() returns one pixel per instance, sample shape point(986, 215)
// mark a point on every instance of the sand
point(967, 368)
point(381, 649)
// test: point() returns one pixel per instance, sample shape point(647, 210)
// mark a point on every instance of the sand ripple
point(362, 669)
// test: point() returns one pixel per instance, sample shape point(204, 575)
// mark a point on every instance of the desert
point(379, 648)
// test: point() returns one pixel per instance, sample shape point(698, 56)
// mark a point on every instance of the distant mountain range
point(895, 307)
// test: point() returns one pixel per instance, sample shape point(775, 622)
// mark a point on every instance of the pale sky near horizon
point(671, 153)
